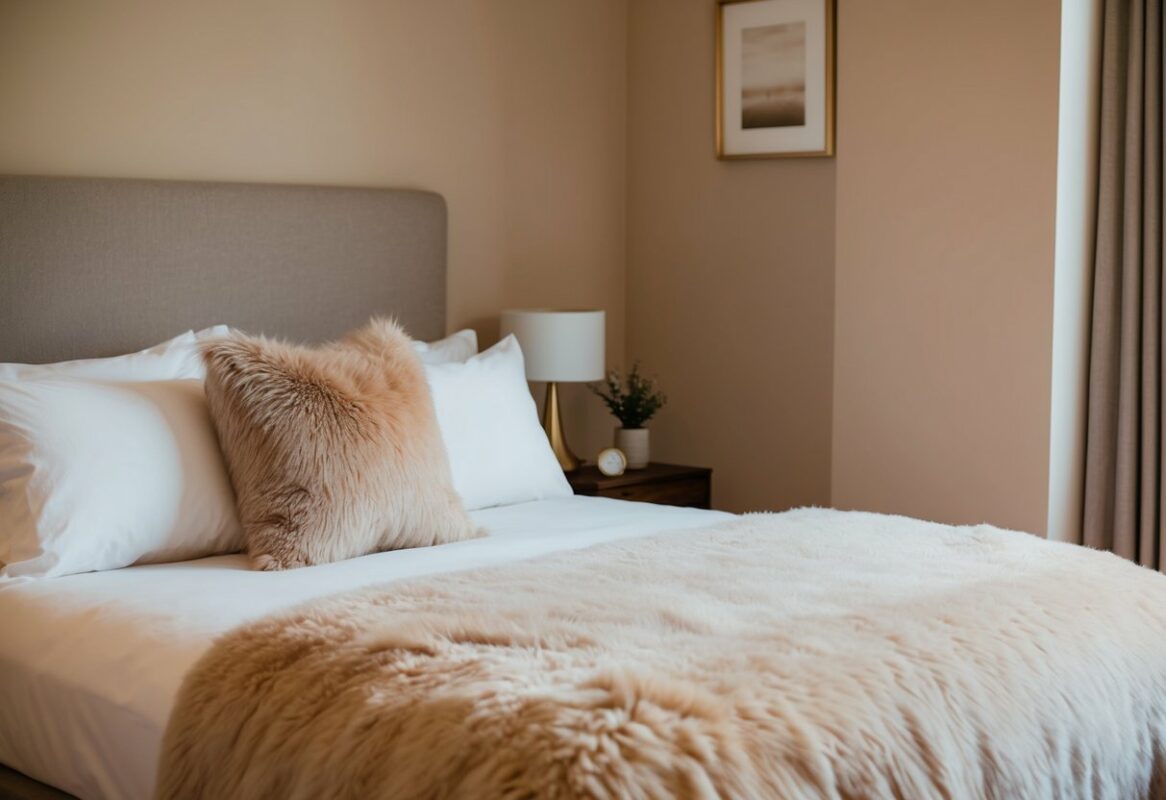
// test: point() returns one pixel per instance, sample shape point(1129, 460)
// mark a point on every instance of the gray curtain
point(1125, 483)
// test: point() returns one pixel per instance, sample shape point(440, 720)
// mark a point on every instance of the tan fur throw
point(334, 451)
point(813, 654)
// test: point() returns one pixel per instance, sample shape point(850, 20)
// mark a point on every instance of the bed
point(90, 664)
point(586, 647)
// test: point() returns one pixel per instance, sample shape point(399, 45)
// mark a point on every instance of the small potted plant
point(633, 403)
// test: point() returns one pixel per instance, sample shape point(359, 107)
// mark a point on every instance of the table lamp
point(558, 346)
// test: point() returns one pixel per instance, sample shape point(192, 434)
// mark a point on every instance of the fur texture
point(812, 654)
point(334, 452)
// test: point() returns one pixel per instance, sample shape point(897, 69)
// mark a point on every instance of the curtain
point(1125, 484)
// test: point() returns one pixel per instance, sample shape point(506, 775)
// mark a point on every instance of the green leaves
point(632, 404)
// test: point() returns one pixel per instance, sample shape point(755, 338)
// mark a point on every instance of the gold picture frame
point(768, 36)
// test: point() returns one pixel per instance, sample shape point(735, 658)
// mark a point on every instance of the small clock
point(612, 462)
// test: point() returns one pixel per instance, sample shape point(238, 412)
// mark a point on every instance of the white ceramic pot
point(635, 445)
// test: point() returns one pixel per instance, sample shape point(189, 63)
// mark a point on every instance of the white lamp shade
point(558, 345)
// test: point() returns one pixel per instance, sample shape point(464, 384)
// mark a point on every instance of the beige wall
point(514, 110)
point(730, 277)
point(946, 182)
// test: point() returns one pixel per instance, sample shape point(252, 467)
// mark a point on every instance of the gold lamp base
point(553, 425)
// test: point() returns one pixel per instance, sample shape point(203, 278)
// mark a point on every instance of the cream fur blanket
point(812, 654)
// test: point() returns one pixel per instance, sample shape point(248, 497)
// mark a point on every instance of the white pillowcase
point(174, 358)
point(109, 462)
point(498, 452)
point(453, 348)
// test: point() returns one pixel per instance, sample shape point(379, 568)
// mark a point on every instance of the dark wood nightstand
point(668, 484)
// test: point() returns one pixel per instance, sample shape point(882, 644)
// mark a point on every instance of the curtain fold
point(1125, 494)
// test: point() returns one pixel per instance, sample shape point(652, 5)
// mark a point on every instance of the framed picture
point(775, 78)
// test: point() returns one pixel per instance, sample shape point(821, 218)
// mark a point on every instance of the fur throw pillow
point(334, 452)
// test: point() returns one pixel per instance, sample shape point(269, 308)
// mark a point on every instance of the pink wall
point(946, 192)
point(730, 277)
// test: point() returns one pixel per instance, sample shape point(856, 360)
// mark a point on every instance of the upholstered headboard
point(94, 267)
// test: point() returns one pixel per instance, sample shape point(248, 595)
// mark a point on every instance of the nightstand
point(668, 484)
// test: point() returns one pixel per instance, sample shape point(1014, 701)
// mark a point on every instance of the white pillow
point(103, 465)
point(498, 452)
point(175, 358)
point(110, 462)
point(455, 347)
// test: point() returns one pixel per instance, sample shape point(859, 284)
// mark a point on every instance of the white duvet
point(90, 664)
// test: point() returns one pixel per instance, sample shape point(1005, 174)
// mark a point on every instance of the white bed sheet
point(90, 664)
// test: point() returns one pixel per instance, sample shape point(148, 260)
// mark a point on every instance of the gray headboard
point(96, 267)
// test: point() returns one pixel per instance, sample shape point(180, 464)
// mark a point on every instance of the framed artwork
point(775, 78)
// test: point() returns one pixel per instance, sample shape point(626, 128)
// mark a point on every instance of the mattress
point(90, 664)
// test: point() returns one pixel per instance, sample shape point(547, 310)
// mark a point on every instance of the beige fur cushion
point(334, 451)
